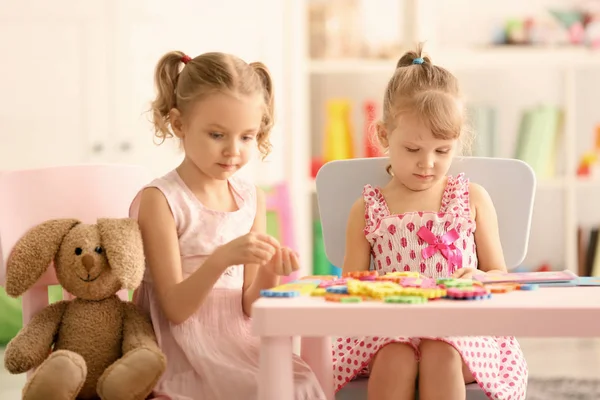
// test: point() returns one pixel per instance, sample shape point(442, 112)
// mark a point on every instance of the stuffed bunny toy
point(96, 345)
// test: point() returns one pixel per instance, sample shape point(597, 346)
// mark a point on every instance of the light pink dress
point(212, 355)
point(399, 243)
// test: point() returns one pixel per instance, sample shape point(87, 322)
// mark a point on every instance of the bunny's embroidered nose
point(88, 262)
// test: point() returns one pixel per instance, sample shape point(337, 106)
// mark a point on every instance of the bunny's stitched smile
point(90, 279)
point(89, 264)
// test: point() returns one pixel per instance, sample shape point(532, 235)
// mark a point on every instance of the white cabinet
point(77, 80)
point(54, 99)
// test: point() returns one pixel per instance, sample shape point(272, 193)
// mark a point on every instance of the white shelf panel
point(554, 183)
point(588, 182)
point(489, 57)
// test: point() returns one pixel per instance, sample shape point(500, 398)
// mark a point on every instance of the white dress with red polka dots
point(398, 243)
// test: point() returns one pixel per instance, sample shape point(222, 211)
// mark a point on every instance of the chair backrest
point(85, 192)
point(510, 183)
point(278, 202)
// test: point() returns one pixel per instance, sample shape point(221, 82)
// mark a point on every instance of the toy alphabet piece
point(408, 287)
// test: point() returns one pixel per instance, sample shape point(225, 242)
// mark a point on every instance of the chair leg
point(123, 295)
point(67, 295)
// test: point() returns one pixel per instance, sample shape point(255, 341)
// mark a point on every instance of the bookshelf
point(509, 78)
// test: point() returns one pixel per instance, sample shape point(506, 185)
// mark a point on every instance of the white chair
point(510, 183)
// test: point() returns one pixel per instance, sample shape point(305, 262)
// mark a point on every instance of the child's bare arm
point(358, 250)
point(179, 298)
point(487, 236)
point(256, 278)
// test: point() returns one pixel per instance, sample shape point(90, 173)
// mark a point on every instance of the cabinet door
point(144, 31)
point(54, 102)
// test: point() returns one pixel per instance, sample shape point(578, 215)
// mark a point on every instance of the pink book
point(528, 277)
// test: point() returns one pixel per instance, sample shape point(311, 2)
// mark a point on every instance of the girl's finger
point(265, 247)
point(295, 262)
point(261, 256)
point(459, 273)
point(268, 239)
point(286, 262)
point(277, 262)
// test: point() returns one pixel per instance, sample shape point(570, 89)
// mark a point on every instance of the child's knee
point(439, 353)
point(397, 358)
point(438, 356)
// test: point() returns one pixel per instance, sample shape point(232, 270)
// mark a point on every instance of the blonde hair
point(208, 73)
point(429, 92)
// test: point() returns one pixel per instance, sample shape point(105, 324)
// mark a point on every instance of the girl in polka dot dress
point(422, 129)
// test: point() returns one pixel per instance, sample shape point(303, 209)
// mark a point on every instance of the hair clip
point(418, 60)
point(186, 59)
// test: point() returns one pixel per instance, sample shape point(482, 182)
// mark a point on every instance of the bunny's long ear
point(33, 253)
point(122, 241)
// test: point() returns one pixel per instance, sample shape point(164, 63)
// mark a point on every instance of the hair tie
point(418, 60)
point(186, 59)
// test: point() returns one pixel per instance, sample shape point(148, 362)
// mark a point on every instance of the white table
point(547, 312)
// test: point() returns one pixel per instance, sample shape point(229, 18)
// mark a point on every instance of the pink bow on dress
point(445, 244)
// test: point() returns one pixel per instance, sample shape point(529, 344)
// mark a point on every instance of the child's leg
point(442, 372)
point(393, 373)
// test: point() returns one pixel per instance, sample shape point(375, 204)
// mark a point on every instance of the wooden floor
point(546, 358)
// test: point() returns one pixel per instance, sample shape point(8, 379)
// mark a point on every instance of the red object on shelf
point(583, 170)
point(315, 165)
point(544, 268)
point(370, 137)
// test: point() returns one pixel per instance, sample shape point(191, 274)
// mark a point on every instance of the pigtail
point(264, 144)
point(181, 80)
point(165, 79)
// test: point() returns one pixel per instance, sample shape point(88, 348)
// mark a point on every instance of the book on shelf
point(482, 119)
point(537, 140)
point(537, 137)
point(588, 251)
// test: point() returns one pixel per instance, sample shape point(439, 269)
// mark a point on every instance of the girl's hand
point(284, 262)
point(252, 248)
point(466, 273)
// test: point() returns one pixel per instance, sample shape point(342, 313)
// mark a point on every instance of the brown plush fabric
point(95, 346)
